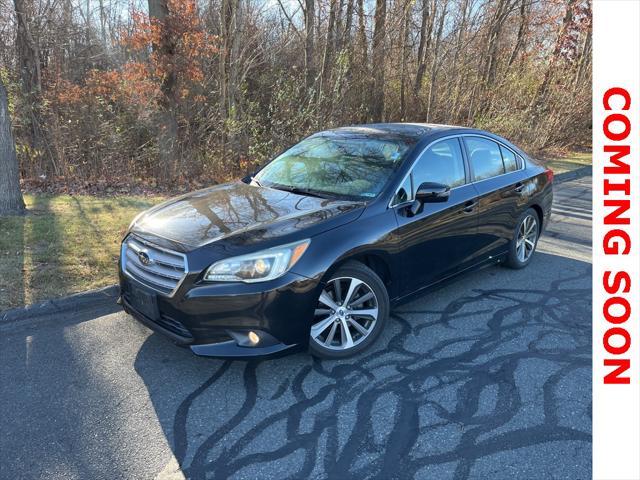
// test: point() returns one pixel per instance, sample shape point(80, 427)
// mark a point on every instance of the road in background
point(488, 377)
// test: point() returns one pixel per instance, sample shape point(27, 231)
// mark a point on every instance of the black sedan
point(314, 249)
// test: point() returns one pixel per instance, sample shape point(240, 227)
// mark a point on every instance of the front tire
point(352, 310)
point(525, 239)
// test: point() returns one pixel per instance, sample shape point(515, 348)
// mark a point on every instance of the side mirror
point(430, 192)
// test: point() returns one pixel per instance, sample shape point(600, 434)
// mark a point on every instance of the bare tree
point(28, 51)
point(377, 54)
point(555, 56)
point(309, 15)
point(30, 72)
point(496, 27)
point(167, 123)
point(404, 38)
point(434, 64)
point(522, 30)
point(426, 30)
point(238, 83)
point(327, 57)
point(11, 202)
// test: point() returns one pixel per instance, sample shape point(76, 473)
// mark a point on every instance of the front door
point(441, 238)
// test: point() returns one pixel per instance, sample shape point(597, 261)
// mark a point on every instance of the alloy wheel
point(346, 314)
point(527, 236)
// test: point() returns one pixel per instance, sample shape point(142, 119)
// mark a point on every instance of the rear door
point(440, 238)
point(497, 175)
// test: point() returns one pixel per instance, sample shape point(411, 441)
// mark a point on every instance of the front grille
point(163, 272)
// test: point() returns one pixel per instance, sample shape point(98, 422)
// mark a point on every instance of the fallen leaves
point(114, 186)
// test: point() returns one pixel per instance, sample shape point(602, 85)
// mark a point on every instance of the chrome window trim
point(123, 262)
point(458, 135)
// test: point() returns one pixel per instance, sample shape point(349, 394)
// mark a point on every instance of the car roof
point(413, 131)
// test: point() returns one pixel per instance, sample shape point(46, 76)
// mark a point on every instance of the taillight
point(549, 173)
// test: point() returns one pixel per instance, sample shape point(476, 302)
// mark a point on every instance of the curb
point(573, 174)
point(100, 297)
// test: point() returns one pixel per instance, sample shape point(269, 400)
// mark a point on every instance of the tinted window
point(485, 157)
point(337, 165)
point(509, 159)
point(441, 163)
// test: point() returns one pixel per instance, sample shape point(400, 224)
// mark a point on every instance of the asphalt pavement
point(487, 377)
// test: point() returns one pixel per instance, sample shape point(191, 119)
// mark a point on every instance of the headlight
point(257, 267)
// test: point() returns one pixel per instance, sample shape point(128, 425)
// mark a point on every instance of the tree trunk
point(11, 202)
point(30, 79)
point(167, 123)
point(364, 80)
point(338, 28)
point(493, 42)
point(28, 52)
point(228, 66)
point(362, 34)
point(521, 33)
point(327, 57)
point(309, 16)
point(406, 11)
point(434, 65)
point(103, 24)
point(379, 34)
point(421, 46)
point(346, 34)
point(459, 72)
point(541, 93)
point(585, 55)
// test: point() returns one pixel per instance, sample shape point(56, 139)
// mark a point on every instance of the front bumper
point(214, 319)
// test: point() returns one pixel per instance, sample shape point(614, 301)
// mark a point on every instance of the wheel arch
point(538, 209)
point(379, 262)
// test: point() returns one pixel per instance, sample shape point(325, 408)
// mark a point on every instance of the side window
point(509, 159)
point(441, 163)
point(404, 193)
point(485, 157)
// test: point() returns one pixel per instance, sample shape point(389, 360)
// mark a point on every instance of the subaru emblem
point(144, 258)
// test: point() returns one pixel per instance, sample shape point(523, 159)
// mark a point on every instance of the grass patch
point(565, 162)
point(66, 244)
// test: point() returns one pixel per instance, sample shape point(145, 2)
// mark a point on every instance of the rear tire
point(525, 240)
point(352, 310)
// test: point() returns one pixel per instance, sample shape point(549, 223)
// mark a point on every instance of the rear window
point(509, 158)
point(485, 157)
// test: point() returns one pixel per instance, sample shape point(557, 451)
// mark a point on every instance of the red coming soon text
point(617, 240)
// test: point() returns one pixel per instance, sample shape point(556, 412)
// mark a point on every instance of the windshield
point(339, 166)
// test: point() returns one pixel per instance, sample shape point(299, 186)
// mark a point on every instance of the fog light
point(253, 337)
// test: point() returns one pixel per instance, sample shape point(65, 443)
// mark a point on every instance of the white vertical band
point(616, 274)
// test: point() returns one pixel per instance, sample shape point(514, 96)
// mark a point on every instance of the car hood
point(242, 213)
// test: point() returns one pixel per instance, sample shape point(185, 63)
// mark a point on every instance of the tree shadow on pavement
point(30, 253)
point(488, 377)
point(54, 397)
point(12, 257)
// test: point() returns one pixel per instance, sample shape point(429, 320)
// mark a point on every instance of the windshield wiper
point(255, 180)
point(300, 191)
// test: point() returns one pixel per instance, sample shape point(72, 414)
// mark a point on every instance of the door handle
point(469, 206)
point(519, 187)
